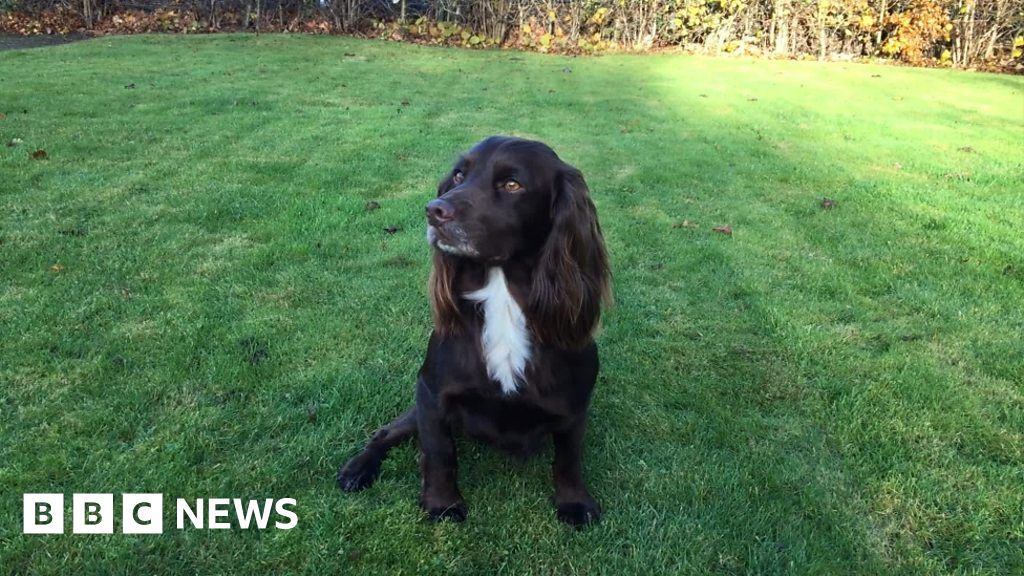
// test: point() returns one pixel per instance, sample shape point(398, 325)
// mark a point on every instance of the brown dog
point(520, 274)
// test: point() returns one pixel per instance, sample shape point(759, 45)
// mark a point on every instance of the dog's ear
point(443, 305)
point(572, 278)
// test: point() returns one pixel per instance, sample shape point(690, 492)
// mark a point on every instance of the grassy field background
point(195, 300)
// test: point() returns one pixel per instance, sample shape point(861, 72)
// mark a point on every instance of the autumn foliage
point(916, 31)
point(921, 32)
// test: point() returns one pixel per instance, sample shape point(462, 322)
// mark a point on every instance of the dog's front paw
point(455, 512)
point(358, 473)
point(579, 514)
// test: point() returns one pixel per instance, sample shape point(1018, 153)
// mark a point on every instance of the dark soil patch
point(13, 42)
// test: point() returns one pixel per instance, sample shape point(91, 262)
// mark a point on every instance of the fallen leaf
point(723, 230)
point(57, 268)
point(40, 155)
point(392, 229)
point(685, 224)
point(828, 203)
point(3, 116)
point(372, 205)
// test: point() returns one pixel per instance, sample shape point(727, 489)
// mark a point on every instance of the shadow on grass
point(702, 389)
point(758, 406)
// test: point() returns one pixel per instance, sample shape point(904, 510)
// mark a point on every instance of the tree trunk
point(822, 38)
point(969, 36)
point(990, 49)
point(782, 27)
point(882, 7)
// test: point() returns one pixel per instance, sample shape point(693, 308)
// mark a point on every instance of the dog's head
point(511, 199)
point(497, 201)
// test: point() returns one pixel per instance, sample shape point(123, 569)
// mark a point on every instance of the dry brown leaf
point(828, 203)
point(40, 155)
point(57, 268)
point(723, 230)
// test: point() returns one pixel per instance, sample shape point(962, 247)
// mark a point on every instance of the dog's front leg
point(440, 496)
point(361, 471)
point(573, 502)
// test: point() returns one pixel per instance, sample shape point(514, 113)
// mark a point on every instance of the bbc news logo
point(144, 513)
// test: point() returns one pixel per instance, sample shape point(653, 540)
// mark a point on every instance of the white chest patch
point(505, 339)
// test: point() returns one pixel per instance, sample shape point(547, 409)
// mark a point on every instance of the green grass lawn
point(195, 300)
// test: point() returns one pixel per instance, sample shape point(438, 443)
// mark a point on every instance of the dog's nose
point(440, 211)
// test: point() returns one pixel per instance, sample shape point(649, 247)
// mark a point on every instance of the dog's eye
point(512, 186)
point(458, 177)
